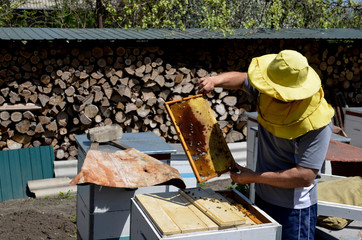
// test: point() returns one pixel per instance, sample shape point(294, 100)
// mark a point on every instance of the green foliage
point(65, 195)
point(220, 15)
point(7, 11)
point(181, 14)
point(74, 218)
point(313, 14)
point(243, 188)
point(201, 184)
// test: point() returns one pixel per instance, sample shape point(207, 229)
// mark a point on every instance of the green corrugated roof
point(19, 166)
point(167, 34)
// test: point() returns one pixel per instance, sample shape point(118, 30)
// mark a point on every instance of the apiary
point(199, 214)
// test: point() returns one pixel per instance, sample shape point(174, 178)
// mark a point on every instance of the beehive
point(199, 214)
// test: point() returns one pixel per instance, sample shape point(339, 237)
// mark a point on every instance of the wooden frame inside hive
point(200, 136)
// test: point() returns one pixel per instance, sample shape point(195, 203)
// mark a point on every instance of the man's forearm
point(230, 80)
point(291, 178)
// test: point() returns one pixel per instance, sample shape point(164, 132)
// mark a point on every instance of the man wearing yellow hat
point(293, 136)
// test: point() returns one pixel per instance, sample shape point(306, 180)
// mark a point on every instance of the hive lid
point(126, 169)
point(201, 137)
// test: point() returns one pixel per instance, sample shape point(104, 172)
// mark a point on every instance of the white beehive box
point(353, 125)
point(104, 212)
point(143, 227)
point(251, 138)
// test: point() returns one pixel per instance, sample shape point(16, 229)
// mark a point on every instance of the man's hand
point(206, 84)
point(244, 176)
point(229, 80)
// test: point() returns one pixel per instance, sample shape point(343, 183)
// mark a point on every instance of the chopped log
point(44, 99)
point(44, 120)
point(70, 91)
point(29, 115)
point(23, 126)
point(62, 119)
point(36, 143)
point(12, 144)
point(14, 97)
point(66, 76)
point(84, 119)
point(98, 119)
point(187, 88)
point(39, 128)
point(97, 52)
point(76, 121)
point(63, 131)
point(16, 116)
point(220, 109)
point(151, 101)
point(179, 78)
point(5, 123)
point(121, 51)
point(59, 154)
point(4, 115)
point(97, 75)
point(73, 151)
point(108, 121)
point(101, 62)
point(98, 96)
point(22, 139)
point(201, 73)
point(52, 126)
point(143, 111)
point(130, 107)
point(91, 111)
point(160, 80)
point(230, 100)
point(138, 103)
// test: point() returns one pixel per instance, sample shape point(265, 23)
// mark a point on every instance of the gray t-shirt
point(275, 154)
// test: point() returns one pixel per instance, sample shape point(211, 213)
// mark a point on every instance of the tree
point(313, 14)
point(227, 14)
point(7, 10)
point(222, 15)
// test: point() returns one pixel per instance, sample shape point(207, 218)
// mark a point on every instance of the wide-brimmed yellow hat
point(291, 100)
point(286, 76)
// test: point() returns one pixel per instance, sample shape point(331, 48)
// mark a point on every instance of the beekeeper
point(294, 130)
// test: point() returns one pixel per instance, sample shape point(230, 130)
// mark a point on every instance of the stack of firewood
point(51, 97)
point(50, 94)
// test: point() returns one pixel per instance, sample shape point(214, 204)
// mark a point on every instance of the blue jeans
point(298, 224)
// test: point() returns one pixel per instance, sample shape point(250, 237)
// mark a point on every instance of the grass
point(65, 195)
